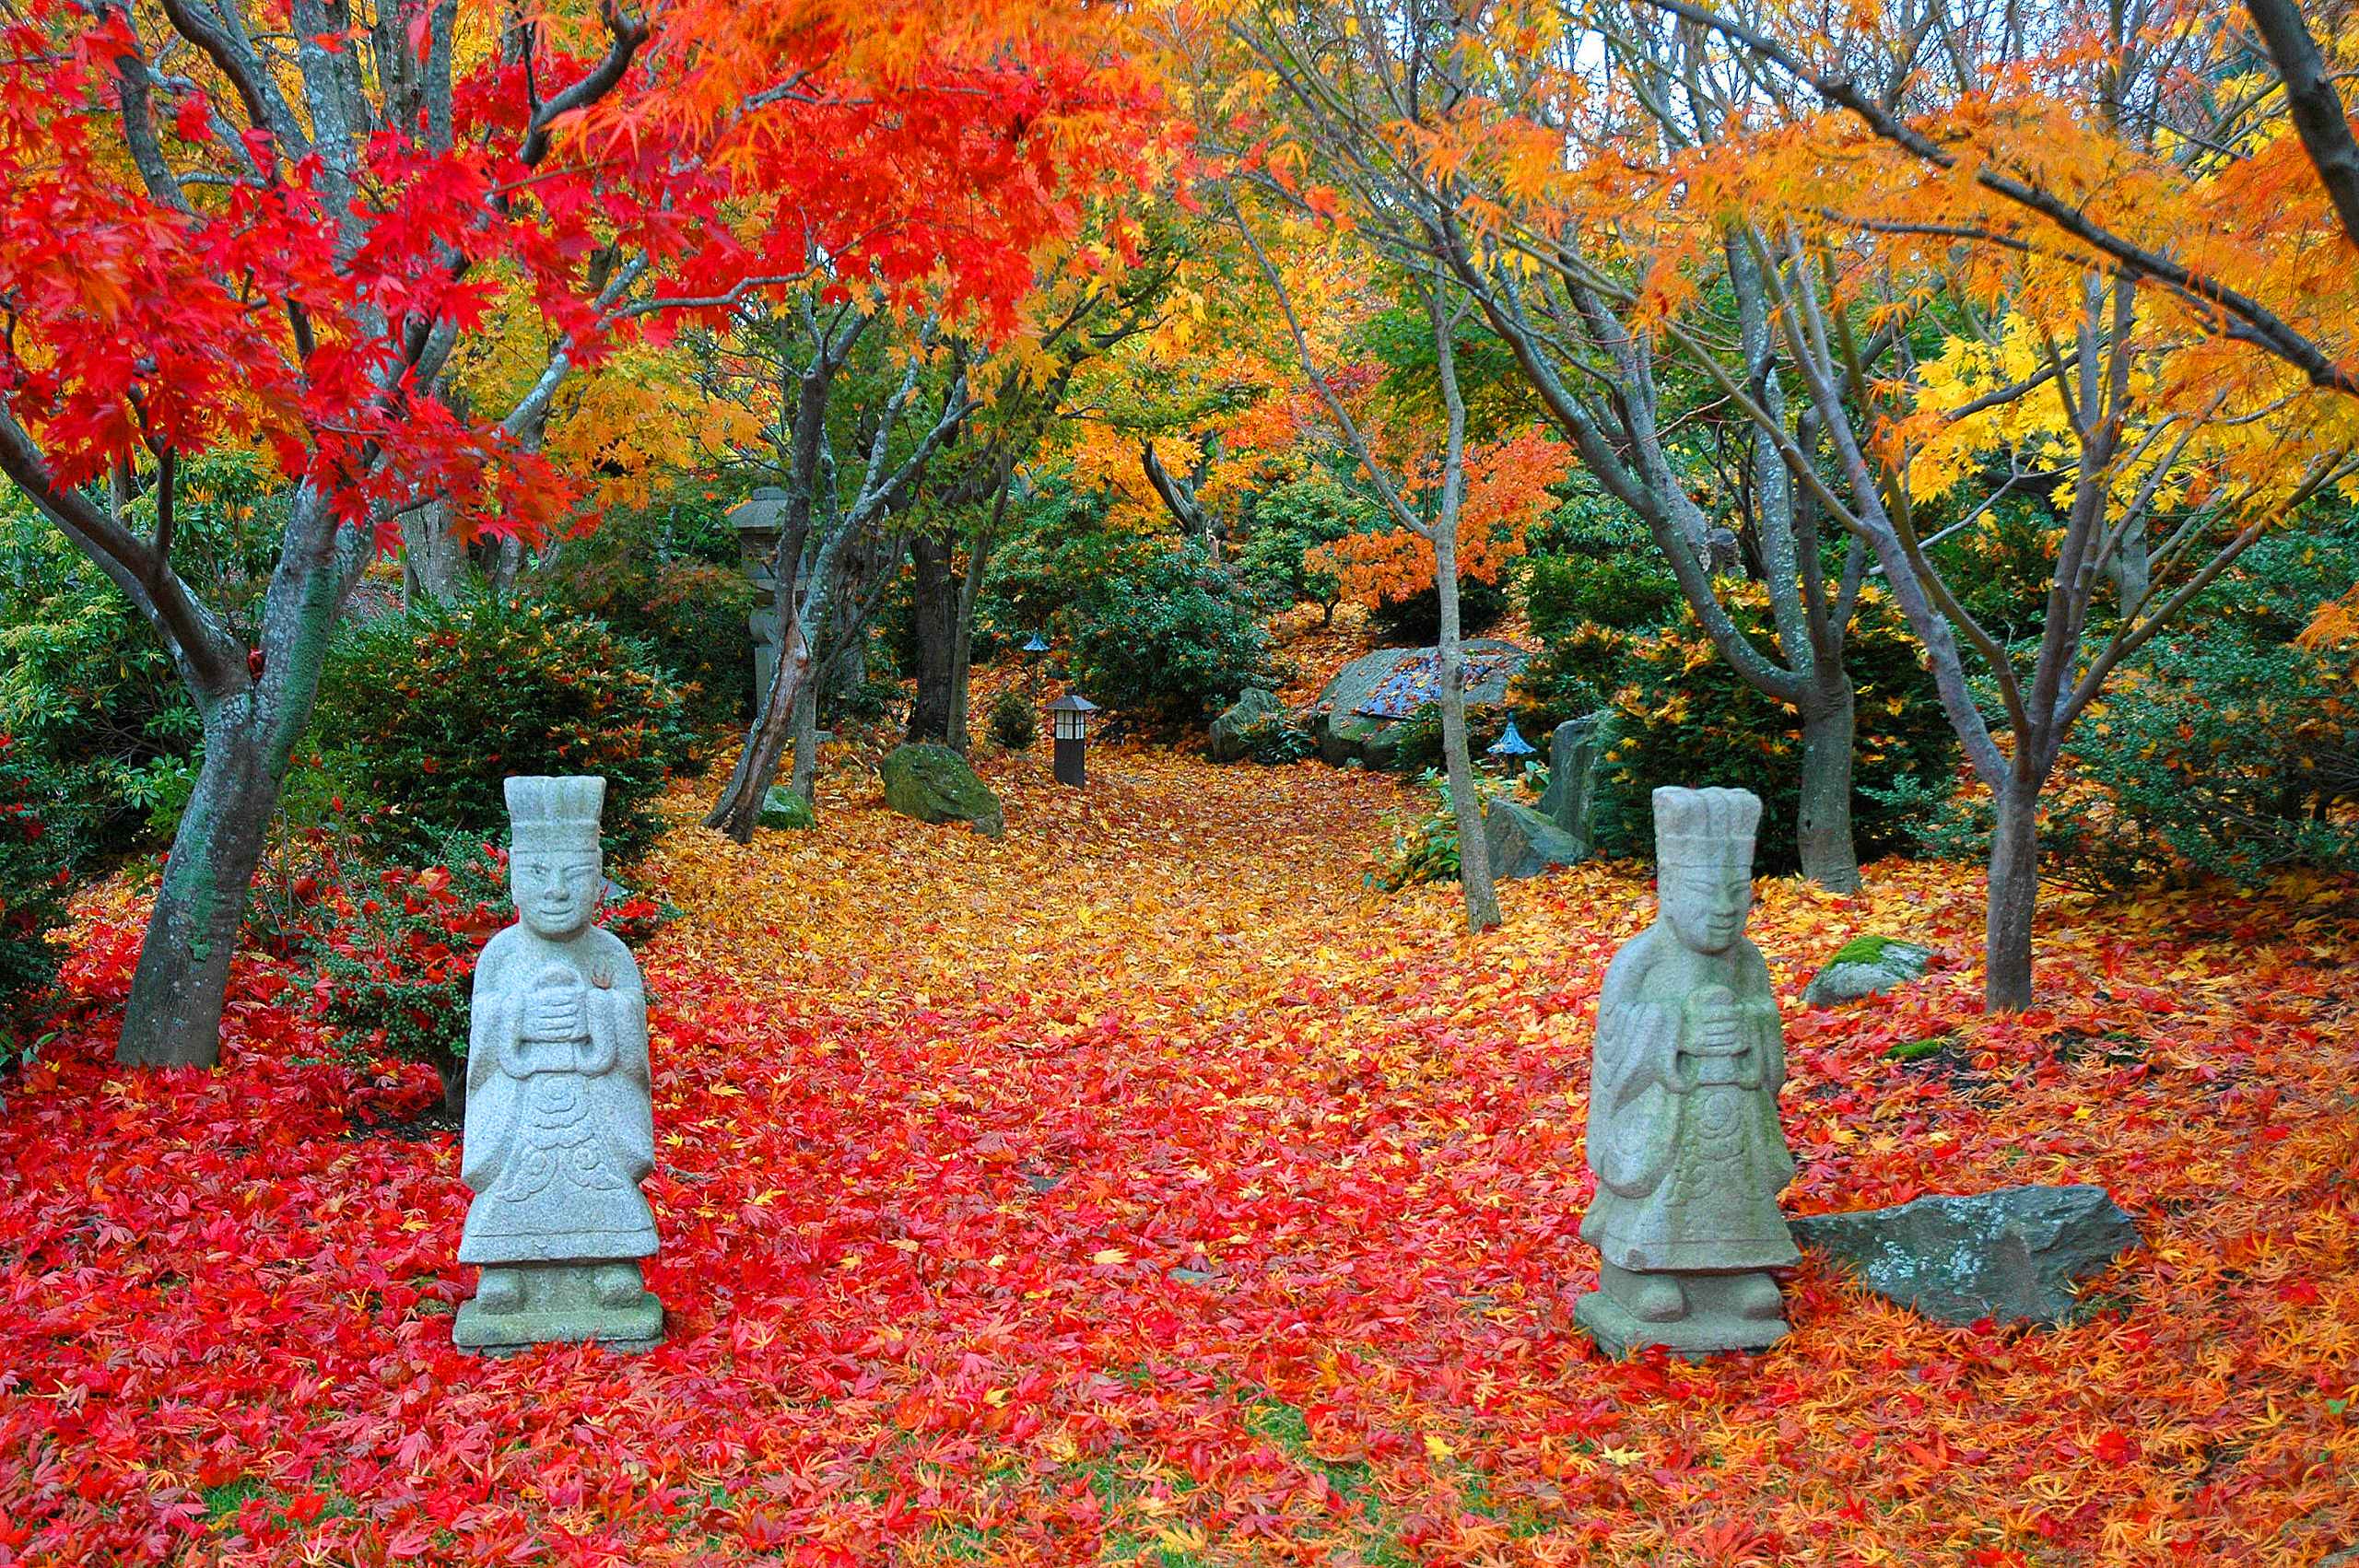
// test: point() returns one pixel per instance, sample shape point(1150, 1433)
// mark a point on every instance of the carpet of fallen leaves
point(1143, 1188)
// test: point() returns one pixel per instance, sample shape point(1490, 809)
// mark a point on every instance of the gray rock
point(1524, 843)
point(2009, 1254)
point(933, 783)
point(1385, 679)
point(1574, 752)
point(782, 807)
point(1866, 966)
point(1230, 740)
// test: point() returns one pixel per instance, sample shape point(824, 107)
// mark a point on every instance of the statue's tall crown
point(1705, 827)
point(555, 814)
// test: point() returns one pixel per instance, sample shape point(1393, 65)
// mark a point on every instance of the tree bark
point(182, 983)
point(433, 561)
point(1823, 819)
point(934, 617)
point(740, 805)
point(804, 778)
point(1465, 800)
point(962, 631)
point(2014, 896)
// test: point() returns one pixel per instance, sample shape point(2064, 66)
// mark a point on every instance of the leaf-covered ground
point(1141, 1188)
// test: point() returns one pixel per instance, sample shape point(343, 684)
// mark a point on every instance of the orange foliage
point(1142, 1184)
point(1508, 490)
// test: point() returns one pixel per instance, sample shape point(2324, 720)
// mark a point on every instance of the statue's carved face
point(1707, 906)
point(557, 891)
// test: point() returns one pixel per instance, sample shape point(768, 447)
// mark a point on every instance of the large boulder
point(1574, 752)
point(2012, 1255)
point(1866, 966)
point(1357, 715)
point(1524, 843)
point(933, 783)
point(1233, 730)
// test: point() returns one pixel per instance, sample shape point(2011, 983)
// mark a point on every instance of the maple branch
point(2314, 106)
point(2257, 323)
point(197, 642)
point(627, 34)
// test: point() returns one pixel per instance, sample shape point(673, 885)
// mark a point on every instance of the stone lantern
point(1069, 716)
point(758, 521)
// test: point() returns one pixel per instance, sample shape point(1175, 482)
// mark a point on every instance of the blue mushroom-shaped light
point(1037, 645)
point(1511, 744)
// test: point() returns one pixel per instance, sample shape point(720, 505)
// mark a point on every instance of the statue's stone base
point(1709, 1328)
point(561, 1305)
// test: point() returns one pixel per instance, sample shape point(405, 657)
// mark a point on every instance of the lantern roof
point(1512, 744)
point(1072, 702)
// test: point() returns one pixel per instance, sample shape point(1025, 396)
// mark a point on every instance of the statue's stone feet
point(1724, 1312)
point(1657, 1298)
point(619, 1284)
point(502, 1291)
point(554, 1304)
point(1756, 1296)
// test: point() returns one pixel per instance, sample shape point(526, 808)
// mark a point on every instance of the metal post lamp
point(1070, 716)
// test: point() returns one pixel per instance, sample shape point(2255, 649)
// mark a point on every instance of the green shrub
point(658, 577)
point(34, 864)
point(1630, 588)
point(1289, 519)
point(428, 712)
point(1012, 722)
point(1418, 737)
point(1276, 739)
point(392, 948)
point(1680, 715)
point(1417, 618)
point(1567, 679)
point(1172, 639)
point(85, 683)
point(2230, 749)
point(1426, 847)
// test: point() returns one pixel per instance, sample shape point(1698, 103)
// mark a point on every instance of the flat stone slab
point(2012, 1255)
point(1702, 1333)
point(639, 1327)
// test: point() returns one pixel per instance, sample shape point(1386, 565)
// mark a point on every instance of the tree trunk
point(2014, 896)
point(1823, 822)
point(934, 614)
point(433, 561)
point(740, 805)
point(1466, 802)
point(804, 778)
point(962, 633)
point(182, 981)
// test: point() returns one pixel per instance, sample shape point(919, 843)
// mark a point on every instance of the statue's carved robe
point(560, 1124)
point(1687, 1147)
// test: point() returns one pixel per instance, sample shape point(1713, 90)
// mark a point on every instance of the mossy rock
point(1866, 966)
point(933, 783)
point(782, 808)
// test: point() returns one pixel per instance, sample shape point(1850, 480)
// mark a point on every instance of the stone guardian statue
point(1684, 1137)
point(560, 1127)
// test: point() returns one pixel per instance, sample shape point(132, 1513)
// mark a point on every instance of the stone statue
point(560, 1128)
point(1682, 1115)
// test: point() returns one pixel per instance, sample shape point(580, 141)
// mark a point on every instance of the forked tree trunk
point(1823, 819)
point(434, 562)
point(1466, 802)
point(740, 805)
point(2014, 896)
